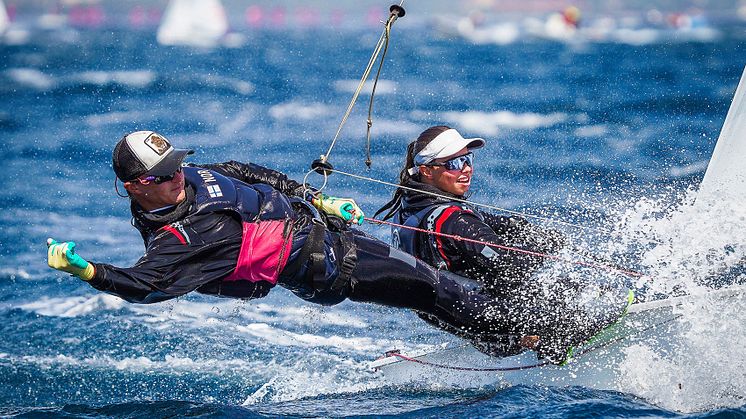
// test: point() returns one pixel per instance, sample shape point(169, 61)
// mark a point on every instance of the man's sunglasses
point(159, 179)
point(456, 163)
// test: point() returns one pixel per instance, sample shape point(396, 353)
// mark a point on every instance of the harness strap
point(349, 260)
point(312, 250)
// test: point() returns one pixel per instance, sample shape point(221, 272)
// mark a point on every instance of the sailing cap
point(146, 153)
point(445, 144)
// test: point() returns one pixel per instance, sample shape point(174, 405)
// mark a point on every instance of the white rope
point(477, 204)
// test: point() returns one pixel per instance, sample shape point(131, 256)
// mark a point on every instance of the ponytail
point(404, 177)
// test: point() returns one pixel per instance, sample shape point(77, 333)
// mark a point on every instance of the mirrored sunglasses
point(456, 163)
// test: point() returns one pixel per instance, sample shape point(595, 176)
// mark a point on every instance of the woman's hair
point(404, 177)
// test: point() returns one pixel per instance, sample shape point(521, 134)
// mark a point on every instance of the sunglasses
point(456, 163)
point(159, 179)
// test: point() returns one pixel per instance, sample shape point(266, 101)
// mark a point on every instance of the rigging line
point(477, 204)
point(539, 363)
point(387, 32)
point(512, 249)
point(379, 45)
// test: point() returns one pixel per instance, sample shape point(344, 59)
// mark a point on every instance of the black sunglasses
point(159, 179)
point(456, 163)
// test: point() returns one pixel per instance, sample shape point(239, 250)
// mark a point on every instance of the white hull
point(600, 365)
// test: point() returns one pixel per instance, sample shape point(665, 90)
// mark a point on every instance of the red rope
point(584, 350)
point(452, 367)
point(512, 249)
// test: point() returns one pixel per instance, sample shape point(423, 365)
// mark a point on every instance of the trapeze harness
point(266, 218)
point(431, 218)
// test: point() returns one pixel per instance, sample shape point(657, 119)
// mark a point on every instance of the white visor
point(445, 144)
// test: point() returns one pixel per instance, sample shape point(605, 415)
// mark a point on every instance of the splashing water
point(690, 249)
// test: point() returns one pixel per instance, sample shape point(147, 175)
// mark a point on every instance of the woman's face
point(455, 181)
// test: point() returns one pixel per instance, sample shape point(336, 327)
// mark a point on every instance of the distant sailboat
point(4, 19)
point(201, 23)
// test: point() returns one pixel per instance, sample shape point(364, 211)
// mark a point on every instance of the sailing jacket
point(196, 245)
point(499, 269)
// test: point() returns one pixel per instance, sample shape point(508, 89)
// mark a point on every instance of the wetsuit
point(504, 273)
point(500, 270)
point(199, 245)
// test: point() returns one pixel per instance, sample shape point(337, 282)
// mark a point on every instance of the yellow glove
point(343, 208)
point(62, 256)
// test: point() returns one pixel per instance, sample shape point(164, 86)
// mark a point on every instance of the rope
point(526, 367)
point(387, 32)
point(508, 248)
point(476, 204)
point(382, 41)
point(457, 368)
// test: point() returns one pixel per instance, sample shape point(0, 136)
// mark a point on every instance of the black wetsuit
point(506, 274)
point(500, 270)
point(192, 249)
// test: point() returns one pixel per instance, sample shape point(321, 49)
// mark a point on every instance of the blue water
point(579, 132)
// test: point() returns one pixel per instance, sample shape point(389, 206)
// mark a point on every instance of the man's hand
point(344, 208)
point(62, 256)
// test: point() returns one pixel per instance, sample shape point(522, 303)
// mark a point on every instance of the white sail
point(725, 178)
point(4, 19)
point(201, 23)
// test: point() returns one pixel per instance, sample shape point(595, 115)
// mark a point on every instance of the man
point(235, 230)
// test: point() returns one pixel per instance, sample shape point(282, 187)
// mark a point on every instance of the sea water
point(609, 136)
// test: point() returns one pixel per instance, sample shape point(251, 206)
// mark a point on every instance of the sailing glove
point(62, 256)
point(344, 208)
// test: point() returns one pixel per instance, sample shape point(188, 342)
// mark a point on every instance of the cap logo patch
point(159, 144)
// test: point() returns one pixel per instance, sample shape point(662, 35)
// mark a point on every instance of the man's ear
point(132, 187)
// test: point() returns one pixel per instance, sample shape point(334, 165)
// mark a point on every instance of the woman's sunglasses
point(456, 163)
point(159, 179)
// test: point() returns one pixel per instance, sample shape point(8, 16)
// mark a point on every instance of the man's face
point(151, 195)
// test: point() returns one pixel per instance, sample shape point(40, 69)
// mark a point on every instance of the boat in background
point(199, 23)
point(4, 19)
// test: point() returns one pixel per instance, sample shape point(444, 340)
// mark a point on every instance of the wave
point(73, 306)
point(685, 248)
point(15, 273)
point(31, 78)
point(489, 123)
point(280, 337)
point(350, 86)
point(696, 168)
point(168, 363)
point(296, 110)
point(139, 80)
point(136, 79)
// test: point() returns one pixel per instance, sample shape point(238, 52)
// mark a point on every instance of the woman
point(437, 175)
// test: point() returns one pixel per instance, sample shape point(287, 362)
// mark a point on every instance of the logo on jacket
point(214, 191)
point(207, 177)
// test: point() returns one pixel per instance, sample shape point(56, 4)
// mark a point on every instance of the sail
point(4, 19)
point(725, 178)
point(193, 22)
